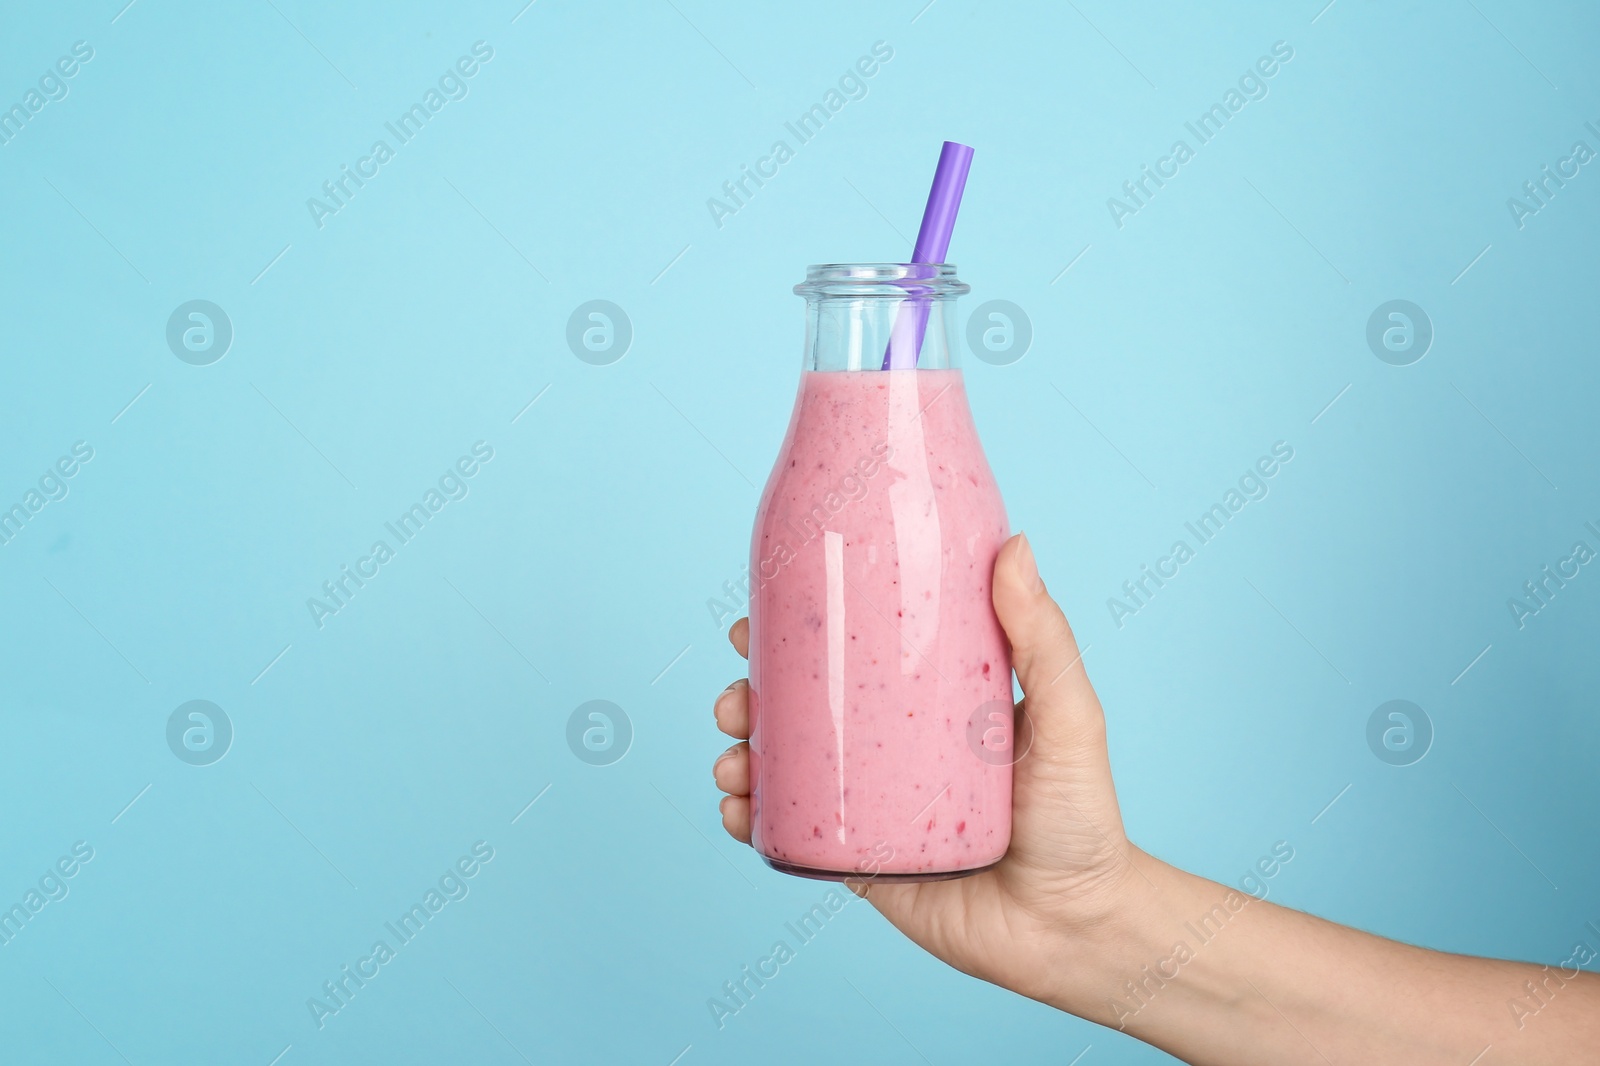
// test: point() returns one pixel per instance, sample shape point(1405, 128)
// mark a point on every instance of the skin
point(1075, 912)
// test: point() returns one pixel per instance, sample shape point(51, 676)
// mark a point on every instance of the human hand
point(1044, 920)
point(1077, 917)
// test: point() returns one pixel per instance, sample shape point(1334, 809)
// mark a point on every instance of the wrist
point(1120, 963)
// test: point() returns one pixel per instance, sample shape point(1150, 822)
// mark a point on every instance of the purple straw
point(933, 242)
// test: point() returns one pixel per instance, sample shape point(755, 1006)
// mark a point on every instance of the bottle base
point(877, 878)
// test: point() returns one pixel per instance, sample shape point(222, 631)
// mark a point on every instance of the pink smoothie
point(876, 661)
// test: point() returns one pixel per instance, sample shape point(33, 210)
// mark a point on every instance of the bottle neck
point(880, 316)
point(878, 333)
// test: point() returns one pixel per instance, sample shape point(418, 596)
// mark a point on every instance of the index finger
point(739, 636)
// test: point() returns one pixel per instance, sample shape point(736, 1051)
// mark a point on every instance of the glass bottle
point(880, 679)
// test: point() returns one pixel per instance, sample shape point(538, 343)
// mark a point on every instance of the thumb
point(1060, 701)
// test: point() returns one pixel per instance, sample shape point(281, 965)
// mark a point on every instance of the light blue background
point(423, 317)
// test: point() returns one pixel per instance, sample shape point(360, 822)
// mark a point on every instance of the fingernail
point(727, 753)
point(1027, 567)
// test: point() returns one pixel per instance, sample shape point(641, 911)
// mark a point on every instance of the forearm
point(1214, 976)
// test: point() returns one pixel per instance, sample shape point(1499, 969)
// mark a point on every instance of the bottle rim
point(884, 280)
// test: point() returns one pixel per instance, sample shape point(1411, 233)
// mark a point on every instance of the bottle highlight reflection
point(876, 660)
